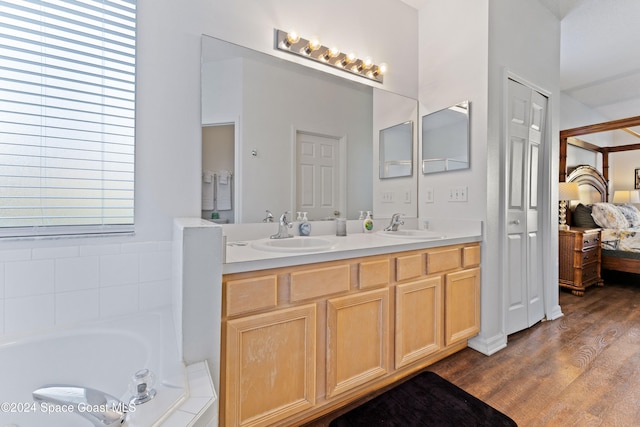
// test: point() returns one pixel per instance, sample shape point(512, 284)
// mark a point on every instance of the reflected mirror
point(445, 139)
point(396, 151)
point(302, 139)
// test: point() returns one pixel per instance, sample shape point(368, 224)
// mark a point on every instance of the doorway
point(524, 191)
point(319, 175)
point(218, 159)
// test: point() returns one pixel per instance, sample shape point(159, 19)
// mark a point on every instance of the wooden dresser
point(580, 259)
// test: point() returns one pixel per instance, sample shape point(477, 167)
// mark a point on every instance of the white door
point(318, 180)
point(527, 111)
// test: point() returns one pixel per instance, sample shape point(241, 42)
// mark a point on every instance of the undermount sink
point(413, 234)
point(294, 244)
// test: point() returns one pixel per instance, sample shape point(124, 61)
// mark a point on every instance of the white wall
point(524, 39)
point(454, 68)
point(491, 38)
point(45, 283)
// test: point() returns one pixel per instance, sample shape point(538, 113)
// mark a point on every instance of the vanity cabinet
point(357, 340)
point(270, 365)
point(301, 341)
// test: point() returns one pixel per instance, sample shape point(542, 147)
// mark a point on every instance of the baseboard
point(488, 346)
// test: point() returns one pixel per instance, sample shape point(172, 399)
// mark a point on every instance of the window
point(67, 116)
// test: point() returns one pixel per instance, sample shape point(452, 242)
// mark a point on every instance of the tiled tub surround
point(58, 285)
point(104, 355)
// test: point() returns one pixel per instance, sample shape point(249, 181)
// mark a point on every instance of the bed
point(619, 224)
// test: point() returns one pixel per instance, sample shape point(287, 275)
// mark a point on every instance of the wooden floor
point(579, 370)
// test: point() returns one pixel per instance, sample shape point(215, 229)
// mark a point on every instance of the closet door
point(527, 111)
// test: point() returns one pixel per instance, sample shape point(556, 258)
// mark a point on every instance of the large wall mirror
point(445, 139)
point(302, 139)
point(396, 151)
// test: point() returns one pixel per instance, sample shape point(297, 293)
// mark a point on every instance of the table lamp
point(566, 191)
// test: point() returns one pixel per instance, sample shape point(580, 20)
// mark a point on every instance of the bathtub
point(102, 355)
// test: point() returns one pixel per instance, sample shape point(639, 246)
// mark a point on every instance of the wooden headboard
point(591, 184)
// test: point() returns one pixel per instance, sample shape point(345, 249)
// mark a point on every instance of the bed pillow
point(581, 217)
point(631, 213)
point(607, 215)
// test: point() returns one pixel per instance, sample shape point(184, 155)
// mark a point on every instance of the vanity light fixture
point(292, 43)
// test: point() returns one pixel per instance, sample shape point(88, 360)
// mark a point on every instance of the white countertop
point(241, 256)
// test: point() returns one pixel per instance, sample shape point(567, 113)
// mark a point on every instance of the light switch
point(428, 195)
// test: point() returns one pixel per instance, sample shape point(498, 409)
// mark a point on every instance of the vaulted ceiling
point(600, 64)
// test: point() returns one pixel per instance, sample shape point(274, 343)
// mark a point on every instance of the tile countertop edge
point(275, 260)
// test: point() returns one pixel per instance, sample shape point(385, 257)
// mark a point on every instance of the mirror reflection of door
point(318, 176)
point(218, 154)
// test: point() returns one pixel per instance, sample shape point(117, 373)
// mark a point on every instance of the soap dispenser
point(367, 224)
point(304, 228)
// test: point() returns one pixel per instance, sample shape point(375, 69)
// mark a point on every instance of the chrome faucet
point(268, 217)
point(100, 408)
point(283, 227)
point(394, 223)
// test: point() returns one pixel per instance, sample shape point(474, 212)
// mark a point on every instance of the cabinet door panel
point(357, 339)
point(418, 325)
point(270, 366)
point(462, 305)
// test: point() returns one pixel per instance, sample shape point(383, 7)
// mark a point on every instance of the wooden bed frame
point(590, 176)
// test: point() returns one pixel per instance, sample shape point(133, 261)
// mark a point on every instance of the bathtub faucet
point(100, 408)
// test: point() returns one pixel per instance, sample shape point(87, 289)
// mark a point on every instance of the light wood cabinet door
point(418, 329)
point(357, 340)
point(270, 366)
point(462, 305)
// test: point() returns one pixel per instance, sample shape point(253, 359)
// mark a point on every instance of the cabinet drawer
point(317, 282)
point(590, 273)
point(252, 294)
point(408, 267)
point(470, 256)
point(444, 260)
point(374, 274)
point(589, 256)
point(590, 240)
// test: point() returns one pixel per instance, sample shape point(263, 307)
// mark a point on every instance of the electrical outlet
point(407, 196)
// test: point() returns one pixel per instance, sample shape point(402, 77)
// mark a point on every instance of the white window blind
point(67, 116)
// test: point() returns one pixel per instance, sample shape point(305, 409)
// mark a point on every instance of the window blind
point(67, 116)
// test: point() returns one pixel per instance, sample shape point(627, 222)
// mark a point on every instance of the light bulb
point(332, 52)
point(291, 38)
point(313, 44)
point(348, 59)
point(381, 69)
point(367, 63)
